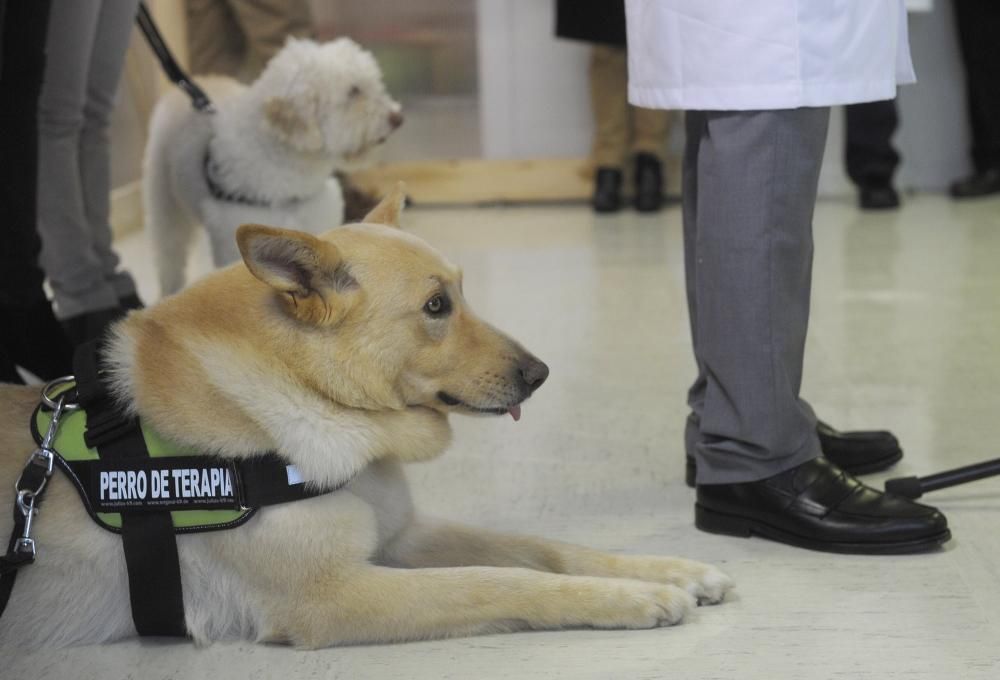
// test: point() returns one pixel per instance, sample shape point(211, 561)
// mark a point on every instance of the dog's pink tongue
point(515, 412)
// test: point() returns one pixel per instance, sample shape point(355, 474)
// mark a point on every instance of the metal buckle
point(40, 464)
point(51, 400)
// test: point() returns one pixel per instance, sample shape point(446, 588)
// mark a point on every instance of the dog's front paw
point(706, 583)
point(637, 604)
point(709, 584)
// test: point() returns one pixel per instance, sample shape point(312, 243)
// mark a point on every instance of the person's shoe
point(648, 183)
point(820, 507)
point(878, 198)
point(607, 190)
point(982, 183)
point(859, 453)
point(90, 325)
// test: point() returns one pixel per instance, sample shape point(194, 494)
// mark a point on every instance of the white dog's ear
point(309, 271)
point(388, 210)
point(289, 123)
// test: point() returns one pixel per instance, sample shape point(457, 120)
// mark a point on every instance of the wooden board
point(471, 181)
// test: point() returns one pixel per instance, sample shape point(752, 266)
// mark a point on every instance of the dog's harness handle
point(173, 70)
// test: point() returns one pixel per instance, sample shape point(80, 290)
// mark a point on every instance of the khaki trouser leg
point(267, 24)
point(238, 37)
point(215, 41)
point(609, 102)
point(650, 128)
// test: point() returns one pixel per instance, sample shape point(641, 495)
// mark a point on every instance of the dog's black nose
point(395, 119)
point(534, 373)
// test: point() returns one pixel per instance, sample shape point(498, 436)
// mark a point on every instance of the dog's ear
point(289, 123)
point(309, 271)
point(388, 210)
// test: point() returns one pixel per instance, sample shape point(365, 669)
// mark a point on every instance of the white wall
point(534, 101)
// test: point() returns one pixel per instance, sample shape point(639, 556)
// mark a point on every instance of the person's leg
point(114, 29)
point(29, 334)
point(978, 22)
point(694, 127)
point(609, 104)
point(22, 61)
point(650, 128)
point(649, 139)
point(869, 156)
point(757, 175)
point(267, 24)
point(74, 269)
point(760, 468)
point(215, 42)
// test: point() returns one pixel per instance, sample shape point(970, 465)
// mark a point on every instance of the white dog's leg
point(222, 237)
point(427, 544)
point(171, 230)
point(378, 604)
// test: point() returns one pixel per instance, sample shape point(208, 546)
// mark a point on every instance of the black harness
point(142, 491)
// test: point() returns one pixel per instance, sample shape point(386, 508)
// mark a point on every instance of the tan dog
point(345, 353)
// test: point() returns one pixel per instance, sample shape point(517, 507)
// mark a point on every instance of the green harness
point(135, 483)
point(70, 447)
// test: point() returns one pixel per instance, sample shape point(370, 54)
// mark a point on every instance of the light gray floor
point(905, 335)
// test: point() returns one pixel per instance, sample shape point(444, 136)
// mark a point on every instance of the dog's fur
point(325, 350)
point(315, 108)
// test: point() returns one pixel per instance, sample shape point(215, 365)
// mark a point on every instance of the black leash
point(199, 100)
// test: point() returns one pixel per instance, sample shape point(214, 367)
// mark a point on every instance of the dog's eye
point(439, 305)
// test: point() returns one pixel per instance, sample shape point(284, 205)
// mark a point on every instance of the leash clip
point(24, 547)
point(36, 473)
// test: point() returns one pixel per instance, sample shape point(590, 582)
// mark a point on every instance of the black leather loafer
point(820, 507)
point(859, 453)
point(607, 190)
point(985, 183)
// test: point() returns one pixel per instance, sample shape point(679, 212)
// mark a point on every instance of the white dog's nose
point(395, 119)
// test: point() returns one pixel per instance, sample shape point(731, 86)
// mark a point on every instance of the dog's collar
point(220, 193)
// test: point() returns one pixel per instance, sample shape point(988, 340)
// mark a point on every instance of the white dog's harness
point(132, 482)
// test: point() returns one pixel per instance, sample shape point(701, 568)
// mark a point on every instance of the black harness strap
point(154, 573)
point(9, 565)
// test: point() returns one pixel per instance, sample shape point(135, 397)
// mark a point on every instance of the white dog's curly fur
point(267, 155)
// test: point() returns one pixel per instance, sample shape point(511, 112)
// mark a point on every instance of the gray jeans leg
point(114, 29)
point(85, 50)
point(750, 183)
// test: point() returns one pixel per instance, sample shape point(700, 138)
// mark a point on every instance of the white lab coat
point(765, 54)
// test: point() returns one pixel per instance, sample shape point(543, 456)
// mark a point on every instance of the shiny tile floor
point(905, 334)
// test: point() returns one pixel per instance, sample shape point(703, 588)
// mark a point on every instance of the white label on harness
point(294, 476)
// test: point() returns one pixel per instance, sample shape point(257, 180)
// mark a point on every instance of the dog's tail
point(171, 229)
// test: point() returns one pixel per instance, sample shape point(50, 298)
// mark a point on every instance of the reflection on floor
point(906, 317)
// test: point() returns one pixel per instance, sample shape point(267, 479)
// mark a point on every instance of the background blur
point(497, 108)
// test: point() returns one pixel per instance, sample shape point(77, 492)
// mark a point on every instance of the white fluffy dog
point(268, 153)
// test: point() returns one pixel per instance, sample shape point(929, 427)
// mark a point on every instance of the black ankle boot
point(607, 190)
point(648, 183)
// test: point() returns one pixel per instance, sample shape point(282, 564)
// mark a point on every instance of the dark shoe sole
point(715, 522)
point(876, 465)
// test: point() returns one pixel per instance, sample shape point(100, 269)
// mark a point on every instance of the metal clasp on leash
point(35, 476)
